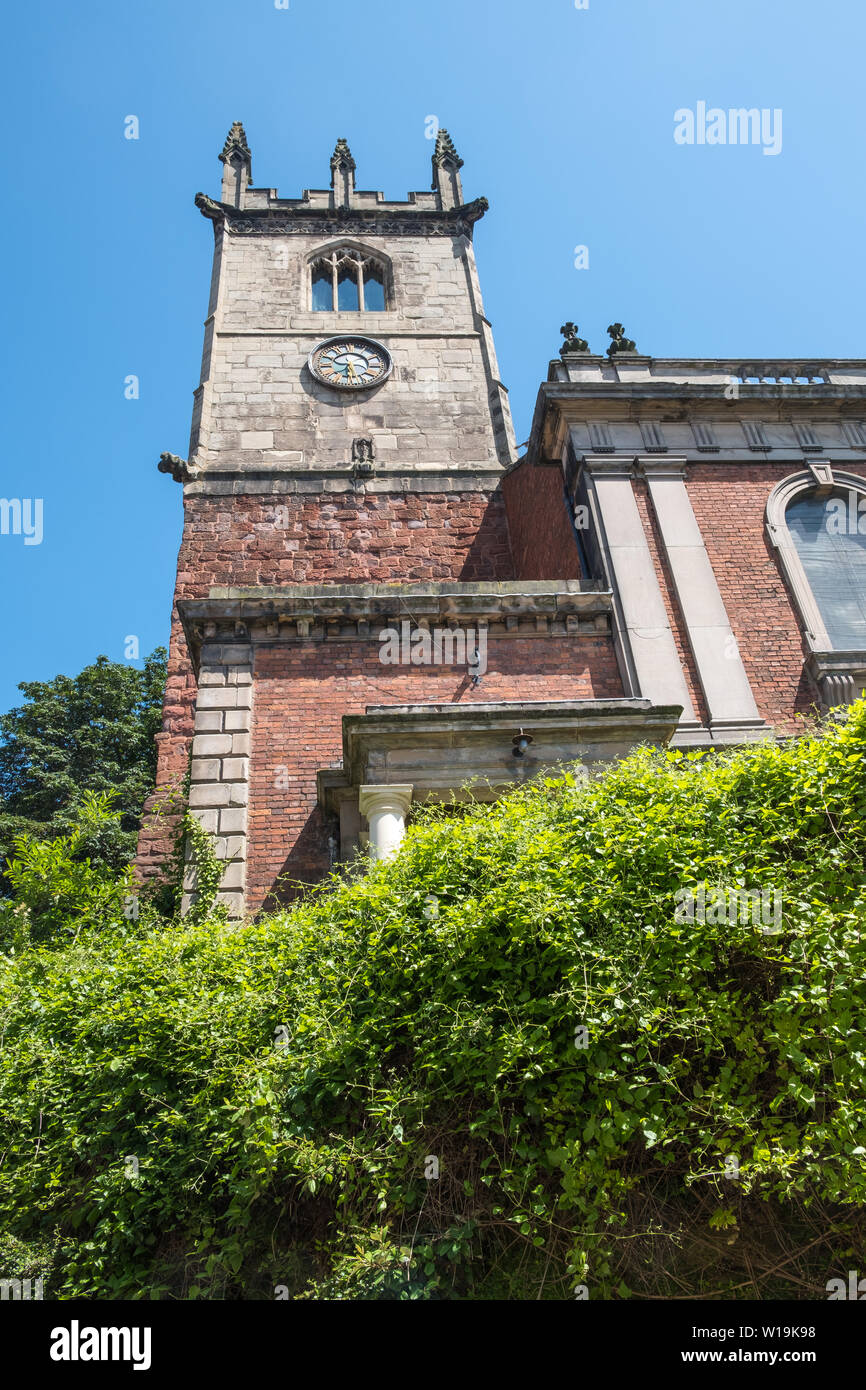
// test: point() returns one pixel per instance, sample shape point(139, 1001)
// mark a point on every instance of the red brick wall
point(335, 538)
point(302, 691)
point(542, 537)
point(730, 505)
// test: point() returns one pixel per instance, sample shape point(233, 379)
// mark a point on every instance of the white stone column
point(386, 808)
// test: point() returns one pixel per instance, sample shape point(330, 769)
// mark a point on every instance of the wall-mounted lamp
point(520, 743)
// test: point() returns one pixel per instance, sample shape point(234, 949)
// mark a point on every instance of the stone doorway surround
point(393, 755)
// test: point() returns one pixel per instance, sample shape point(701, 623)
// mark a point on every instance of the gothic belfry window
point(349, 281)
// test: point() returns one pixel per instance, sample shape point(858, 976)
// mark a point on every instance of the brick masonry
point(542, 535)
point(248, 540)
point(302, 692)
point(729, 502)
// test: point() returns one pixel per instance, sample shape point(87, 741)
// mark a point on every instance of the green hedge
point(620, 1097)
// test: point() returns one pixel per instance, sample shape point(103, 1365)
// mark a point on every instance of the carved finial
point(445, 153)
point(446, 171)
point(237, 166)
point(619, 341)
point(236, 143)
point(342, 174)
point(572, 342)
point(341, 158)
point(180, 469)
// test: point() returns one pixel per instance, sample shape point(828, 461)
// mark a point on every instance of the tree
point(91, 732)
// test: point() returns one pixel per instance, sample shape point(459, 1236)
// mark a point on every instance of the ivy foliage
point(503, 1065)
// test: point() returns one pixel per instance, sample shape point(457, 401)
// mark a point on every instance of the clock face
point(350, 364)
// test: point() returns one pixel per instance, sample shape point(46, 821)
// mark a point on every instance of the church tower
point(342, 498)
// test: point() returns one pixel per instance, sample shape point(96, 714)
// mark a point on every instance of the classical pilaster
point(651, 650)
point(731, 706)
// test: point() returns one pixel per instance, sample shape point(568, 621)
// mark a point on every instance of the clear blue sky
point(565, 120)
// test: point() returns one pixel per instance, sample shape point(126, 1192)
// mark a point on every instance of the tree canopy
point(91, 732)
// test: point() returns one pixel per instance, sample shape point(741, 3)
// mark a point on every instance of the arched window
point(817, 522)
point(832, 550)
point(348, 280)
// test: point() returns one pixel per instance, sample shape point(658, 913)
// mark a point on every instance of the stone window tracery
point(348, 280)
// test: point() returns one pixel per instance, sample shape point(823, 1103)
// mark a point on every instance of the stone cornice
point(281, 479)
point(649, 389)
point(284, 217)
point(229, 619)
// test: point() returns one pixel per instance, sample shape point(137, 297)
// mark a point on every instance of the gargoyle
point(180, 469)
point(208, 208)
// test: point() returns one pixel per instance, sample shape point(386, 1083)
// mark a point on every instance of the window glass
point(832, 550)
point(323, 290)
point(374, 290)
point(347, 288)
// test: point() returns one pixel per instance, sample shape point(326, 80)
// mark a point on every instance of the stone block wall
point(260, 407)
point(220, 765)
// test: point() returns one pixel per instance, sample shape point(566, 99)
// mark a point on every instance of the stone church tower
point(377, 602)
